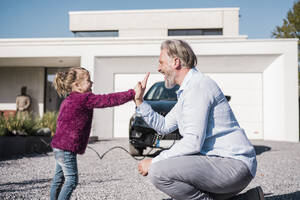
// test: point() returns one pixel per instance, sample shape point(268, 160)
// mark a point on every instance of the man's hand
point(144, 166)
point(139, 90)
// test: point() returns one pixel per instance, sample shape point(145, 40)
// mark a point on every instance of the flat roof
point(153, 10)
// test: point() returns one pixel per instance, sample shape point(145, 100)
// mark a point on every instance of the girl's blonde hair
point(64, 79)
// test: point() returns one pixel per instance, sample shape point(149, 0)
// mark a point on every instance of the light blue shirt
point(205, 121)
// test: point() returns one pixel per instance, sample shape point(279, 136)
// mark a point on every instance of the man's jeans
point(66, 175)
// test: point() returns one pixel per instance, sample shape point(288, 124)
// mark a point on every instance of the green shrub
point(21, 124)
point(49, 120)
point(27, 125)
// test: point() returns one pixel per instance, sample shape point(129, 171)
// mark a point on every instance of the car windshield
point(158, 91)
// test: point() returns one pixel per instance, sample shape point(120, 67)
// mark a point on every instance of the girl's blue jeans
point(66, 175)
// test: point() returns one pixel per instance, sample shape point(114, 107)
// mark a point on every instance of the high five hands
point(140, 90)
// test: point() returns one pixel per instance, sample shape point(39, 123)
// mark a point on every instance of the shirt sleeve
point(109, 100)
point(162, 125)
point(196, 105)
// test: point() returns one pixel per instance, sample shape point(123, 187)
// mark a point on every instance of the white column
point(290, 75)
point(87, 61)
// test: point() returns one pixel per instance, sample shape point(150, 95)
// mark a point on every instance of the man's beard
point(170, 79)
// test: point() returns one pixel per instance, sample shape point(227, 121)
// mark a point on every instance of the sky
point(50, 19)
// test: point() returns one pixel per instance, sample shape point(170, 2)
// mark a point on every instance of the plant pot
point(21, 145)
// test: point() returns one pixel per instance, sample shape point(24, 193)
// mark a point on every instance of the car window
point(158, 91)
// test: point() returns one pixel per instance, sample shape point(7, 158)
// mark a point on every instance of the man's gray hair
point(182, 50)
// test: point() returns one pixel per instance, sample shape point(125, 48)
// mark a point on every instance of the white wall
point(272, 58)
point(155, 23)
point(279, 116)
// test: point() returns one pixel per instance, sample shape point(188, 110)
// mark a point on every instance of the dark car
point(141, 135)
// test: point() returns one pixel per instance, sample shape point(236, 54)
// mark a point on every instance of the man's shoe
point(255, 194)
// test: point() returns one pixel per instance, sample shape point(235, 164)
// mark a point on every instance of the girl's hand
point(140, 90)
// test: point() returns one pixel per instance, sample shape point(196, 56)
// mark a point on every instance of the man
point(214, 159)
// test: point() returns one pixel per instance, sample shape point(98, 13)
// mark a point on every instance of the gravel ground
point(116, 177)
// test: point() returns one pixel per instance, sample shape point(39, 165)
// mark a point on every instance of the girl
point(74, 125)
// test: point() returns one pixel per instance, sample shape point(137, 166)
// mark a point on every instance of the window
point(111, 33)
point(158, 92)
point(184, 32)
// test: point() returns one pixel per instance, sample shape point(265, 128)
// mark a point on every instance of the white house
point(119, 47)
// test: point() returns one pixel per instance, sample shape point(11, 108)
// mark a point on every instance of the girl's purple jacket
point(75, 118)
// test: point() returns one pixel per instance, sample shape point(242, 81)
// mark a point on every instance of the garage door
point(123, 113)
point(245, 90)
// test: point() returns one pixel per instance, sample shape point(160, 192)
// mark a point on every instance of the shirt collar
point(186, 79)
